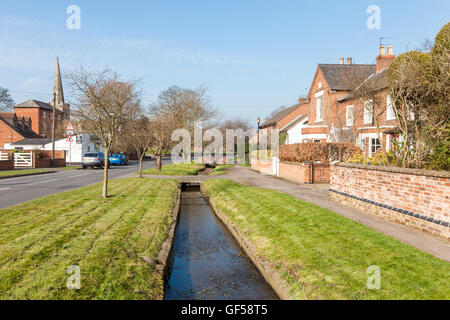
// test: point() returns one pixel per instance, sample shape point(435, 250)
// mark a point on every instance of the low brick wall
point(45, 160)
point(296, 172)
point(419, 199)
point(7, 164)
point(262, 166)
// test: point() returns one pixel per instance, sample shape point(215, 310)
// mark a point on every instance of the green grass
point(176, 170)
point(322, 255)
point(69, 168)
point(40, 239)
point(220, 169)
point(12, 173)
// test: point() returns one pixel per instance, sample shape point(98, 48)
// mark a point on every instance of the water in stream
point(208, 264)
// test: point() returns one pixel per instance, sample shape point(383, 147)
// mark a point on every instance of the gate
point(3, 156)
point(23, 160)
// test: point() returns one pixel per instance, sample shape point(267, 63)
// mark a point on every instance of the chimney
point(301, 101)
point(390, 51)
point(383, 60)
point(341, 60)
point(349, 60)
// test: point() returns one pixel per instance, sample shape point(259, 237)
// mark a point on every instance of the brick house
point(14, 128)
point(285, 118)
point(34, 119)
point(334, 112)
point(369, 115)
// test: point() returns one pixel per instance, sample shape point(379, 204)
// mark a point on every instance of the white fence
point(23, 160)
point(3, 156)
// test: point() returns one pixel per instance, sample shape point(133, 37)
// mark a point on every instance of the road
point(17, 190)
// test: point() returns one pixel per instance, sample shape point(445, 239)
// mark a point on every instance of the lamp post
point(53, 129)
point(258, 121)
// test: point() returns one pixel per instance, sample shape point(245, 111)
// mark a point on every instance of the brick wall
point(7, 164)
point(419, 199)
point(295, 172)
point(262, 166)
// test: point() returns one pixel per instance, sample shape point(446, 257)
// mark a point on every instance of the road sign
point(70, 130)
point(70, 127)
point(69, 138)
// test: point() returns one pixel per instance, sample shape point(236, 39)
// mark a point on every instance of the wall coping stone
point(417, 172)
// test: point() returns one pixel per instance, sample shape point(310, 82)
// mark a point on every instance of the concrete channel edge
point(270, 274)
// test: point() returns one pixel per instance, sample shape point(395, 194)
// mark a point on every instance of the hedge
point(313, 152)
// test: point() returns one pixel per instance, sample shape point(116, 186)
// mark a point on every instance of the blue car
point(118, 159)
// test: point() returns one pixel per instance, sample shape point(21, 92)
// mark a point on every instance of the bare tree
point(160, 133)
point(138, 136)
point(6, 102)
point(103, 105)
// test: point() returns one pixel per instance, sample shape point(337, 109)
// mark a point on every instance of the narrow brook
point(208, 263)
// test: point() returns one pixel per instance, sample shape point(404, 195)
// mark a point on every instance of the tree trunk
point(105, 175)
point(158, 162)
point(141, 159)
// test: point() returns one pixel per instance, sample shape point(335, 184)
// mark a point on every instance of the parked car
point(118, 159)
point(93, 159)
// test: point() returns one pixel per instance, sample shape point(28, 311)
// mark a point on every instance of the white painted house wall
point(74, 150)
point(294, 131)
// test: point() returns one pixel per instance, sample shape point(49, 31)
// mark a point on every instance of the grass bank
point(176, 170)
point(322, 255)
point(220, 169)
point(12, 173)
point(106, 239)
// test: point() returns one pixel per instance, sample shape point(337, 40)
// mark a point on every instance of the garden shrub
point(313, 152)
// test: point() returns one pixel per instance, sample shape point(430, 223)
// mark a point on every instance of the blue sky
point(253, 55)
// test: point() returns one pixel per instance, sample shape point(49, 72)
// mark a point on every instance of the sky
point(253, 55)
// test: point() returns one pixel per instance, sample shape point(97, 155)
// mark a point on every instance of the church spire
point(57, 87)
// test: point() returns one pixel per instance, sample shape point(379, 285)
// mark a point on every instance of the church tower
point(58, 93)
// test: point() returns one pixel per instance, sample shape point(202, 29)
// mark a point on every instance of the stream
point(208, 263)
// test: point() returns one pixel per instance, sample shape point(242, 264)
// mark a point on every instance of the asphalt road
point(17, 190)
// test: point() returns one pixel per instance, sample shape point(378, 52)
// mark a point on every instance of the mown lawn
point(323, 255)
point(12, 173)
point(176, 170)
point(220, 169)
point(40, 239)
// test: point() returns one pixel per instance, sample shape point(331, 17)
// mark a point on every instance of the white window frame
point(390, 114)
point(368, 112)
point(319, 108)
point(371, 145)
point(349, 112)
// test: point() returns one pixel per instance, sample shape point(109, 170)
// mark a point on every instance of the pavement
point(318, 194)
point(25, 188)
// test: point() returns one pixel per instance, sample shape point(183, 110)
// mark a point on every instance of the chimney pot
point(390, 51)
point(341, 61)
point(349, 60)
point(382, 51)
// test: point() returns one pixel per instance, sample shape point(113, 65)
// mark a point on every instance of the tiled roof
point(24, 132)
point(31, 142)
point(34, 104)
point(376, 81)
point(340, 77)
point(280, 115)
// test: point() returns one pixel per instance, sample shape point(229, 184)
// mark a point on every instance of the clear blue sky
point(253, 55)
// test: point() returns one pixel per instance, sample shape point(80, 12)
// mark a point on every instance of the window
point(45, 114)
point(51, 115)
point(375, 145)
point(319, 109)
point(368, 112)
point(390, 114)
point(349, 116)
point(316, 140)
